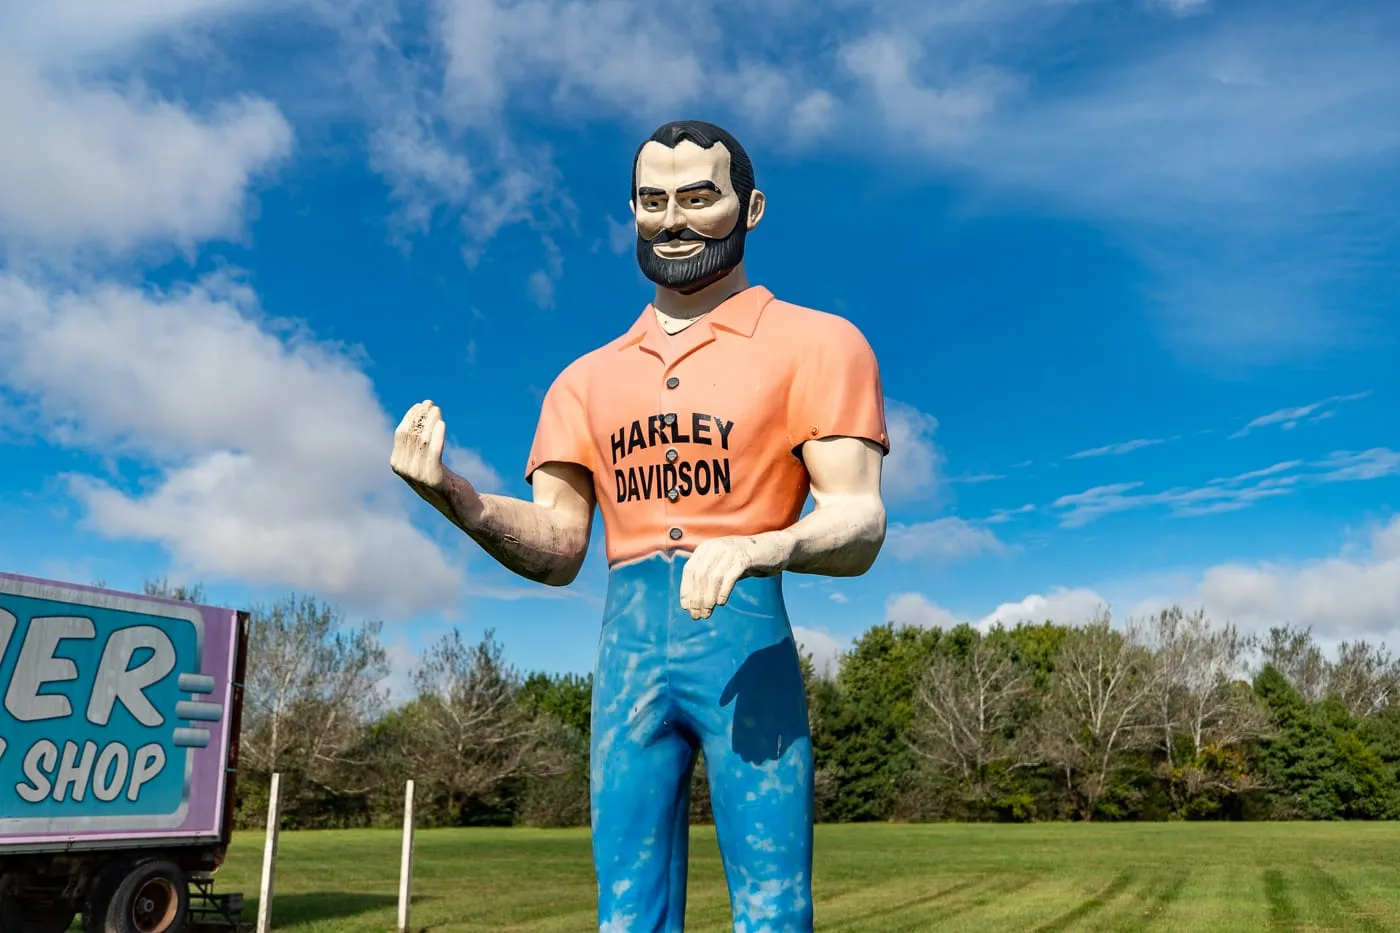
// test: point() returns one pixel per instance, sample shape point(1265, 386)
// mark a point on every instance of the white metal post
point(406, 865)
point(274, 808)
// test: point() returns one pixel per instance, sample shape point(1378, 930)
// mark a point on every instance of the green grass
point(868, 879)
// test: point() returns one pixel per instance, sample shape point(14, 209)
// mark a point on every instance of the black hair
point(704, 135)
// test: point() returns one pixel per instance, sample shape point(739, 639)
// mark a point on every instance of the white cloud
point(1289, 418)
point(825, 650)
point(59, 28)
point(1346, 466)
point(912, 469)
point(444, 137)
point(916, 610)
point(933, 117)
point(270, 448)
point(1220, 157)
point(1282, 467)
point(93, 163)
point(541, 289)
point(1340, 597)
point(1062, 606)
point(1231, 494)
point(622, 235)
point(972, 479)
point(403, 660)
point(602, 54)
point(470, 465)
point(1001, 516)
point(1117, 450)
point(943, 539)
point(1239, 160)
point(1352, 595)
point(813, 115)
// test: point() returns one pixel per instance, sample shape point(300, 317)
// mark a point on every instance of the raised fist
point(417, 455)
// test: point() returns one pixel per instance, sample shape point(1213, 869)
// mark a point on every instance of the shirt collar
point(738, 314)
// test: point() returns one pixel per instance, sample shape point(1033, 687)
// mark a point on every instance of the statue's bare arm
point(544, 540)
point(840, 537)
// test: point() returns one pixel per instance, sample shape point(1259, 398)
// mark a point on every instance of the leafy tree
point(1316, 764)
point(470, 739)
point(868, 719)
point(965, 722)
point(568, 698)
point(1096, 709)
point(190, 593)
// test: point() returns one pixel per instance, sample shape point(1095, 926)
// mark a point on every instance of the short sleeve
point(562, 432)
point(836, 389)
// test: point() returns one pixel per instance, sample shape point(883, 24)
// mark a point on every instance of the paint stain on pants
point(666, 686)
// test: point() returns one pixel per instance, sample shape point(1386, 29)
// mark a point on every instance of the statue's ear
point(632, 208)
point(757, 203)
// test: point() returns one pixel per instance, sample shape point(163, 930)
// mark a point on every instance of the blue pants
point(667, 685)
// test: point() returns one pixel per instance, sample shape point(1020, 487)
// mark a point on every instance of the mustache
point(683, 235)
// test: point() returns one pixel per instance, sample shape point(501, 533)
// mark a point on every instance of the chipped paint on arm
point(544, 540)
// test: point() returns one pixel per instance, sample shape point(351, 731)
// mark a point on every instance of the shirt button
point(675, 534)
point(669, 419)
point(671, 455)
point(672, 382)
point(673, 494)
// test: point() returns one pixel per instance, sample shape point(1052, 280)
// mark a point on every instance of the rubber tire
point(99, 895)
point(18, 917)
point(119, 917)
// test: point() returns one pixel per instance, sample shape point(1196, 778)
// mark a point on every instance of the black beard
point(690, 275)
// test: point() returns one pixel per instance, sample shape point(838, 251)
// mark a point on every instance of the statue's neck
point(675, 312)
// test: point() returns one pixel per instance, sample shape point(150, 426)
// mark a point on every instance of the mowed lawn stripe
point(873, 878)
point(1331, 897)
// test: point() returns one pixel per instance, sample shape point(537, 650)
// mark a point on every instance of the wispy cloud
point(1289, 418)
point(913, 470)
point(944, 539)
point(1283, 467)
point(1354, 593)
point(1001, 516)
point(972, 479)
point(1346, 466)
point(1115, 450)
point(1228, 494)
point(1238, 155)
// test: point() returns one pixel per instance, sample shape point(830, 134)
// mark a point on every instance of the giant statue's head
point(694, 201)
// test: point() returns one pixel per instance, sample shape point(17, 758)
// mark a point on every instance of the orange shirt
point(695, 435)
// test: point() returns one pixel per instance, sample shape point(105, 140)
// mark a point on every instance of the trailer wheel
point(24, 915)
point(154, 897)
point(99, 895)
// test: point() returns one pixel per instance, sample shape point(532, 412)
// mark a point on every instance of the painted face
point(690, 224)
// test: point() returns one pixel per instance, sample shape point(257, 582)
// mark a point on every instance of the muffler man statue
point(699, 434)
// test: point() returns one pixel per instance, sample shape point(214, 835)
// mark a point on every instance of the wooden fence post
point(274, 814)
point(406, 864)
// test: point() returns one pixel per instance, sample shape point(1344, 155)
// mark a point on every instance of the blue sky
point(1129, 268)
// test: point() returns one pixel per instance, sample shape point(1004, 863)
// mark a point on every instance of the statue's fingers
point(732, 572)
point(408, 419)
point(687, 584)
point(436, 441)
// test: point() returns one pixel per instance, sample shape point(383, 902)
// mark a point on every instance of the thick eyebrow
point(650, 192)
point(699, 186)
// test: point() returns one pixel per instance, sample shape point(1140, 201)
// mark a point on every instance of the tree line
point(1175, 716)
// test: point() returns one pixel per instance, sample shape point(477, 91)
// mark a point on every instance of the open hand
point(718, 564)
point(418, 441)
